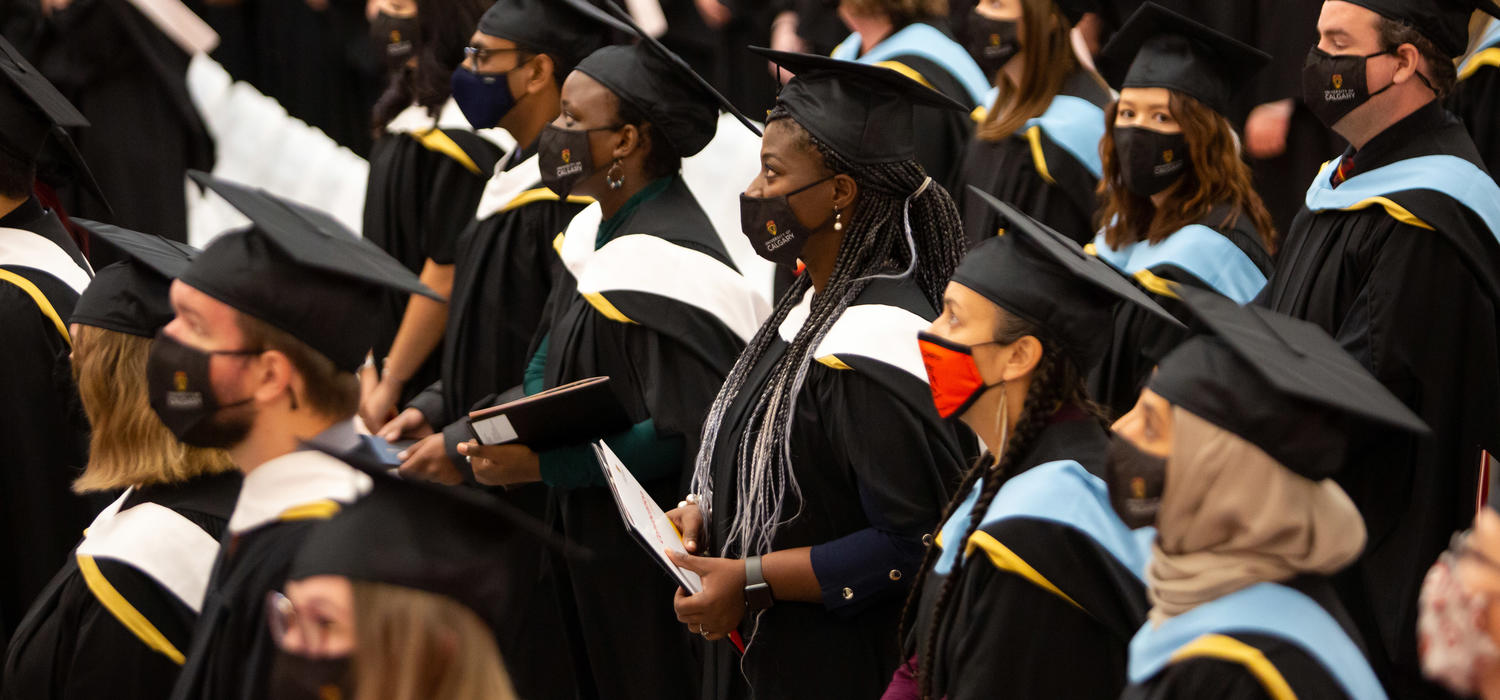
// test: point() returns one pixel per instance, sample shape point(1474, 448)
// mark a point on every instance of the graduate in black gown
point(272, 322)
point(129, 78)
point(1178, 201)
point(904, 36)
point(45, 432)
point(651, 299)
point(402, 595)
point(1036, 144)
point(1476, 98)
point(1230, 453)
point(1032, 572)
point(117, 619)
point(504, 269)
point(1395, 255)
point(428, 169)
point(823, 461)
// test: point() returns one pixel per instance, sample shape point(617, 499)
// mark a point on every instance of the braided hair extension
point(876, 243)
point(1055, 382)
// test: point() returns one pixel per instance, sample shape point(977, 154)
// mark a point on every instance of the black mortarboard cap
point(552, 27)
point(861, 111)
point(32, 111)
point(300, 270)
point(130, 296)
point(1444, 22)
point(435, 539)
point(1160, 48)
point(680, 105)
point(1280, 383)
point(1044, 277)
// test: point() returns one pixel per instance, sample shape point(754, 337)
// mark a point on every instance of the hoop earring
point(615, 176)
point(838, 219)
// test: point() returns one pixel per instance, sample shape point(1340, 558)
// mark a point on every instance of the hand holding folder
point(571, 414)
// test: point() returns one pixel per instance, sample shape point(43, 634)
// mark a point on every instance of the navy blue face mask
point(484, 98)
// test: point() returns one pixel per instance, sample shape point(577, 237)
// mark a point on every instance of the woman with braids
point(1179, 203)
point(117, 619)
point(428, 169)
point(1038, 130)
point(1034, 586)
point(822, 460)
point(648, 297)
point(911, 37)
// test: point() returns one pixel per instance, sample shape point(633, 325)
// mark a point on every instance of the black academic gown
point(1036, 172)
point(1004, 634)
point(1207, 676)
point(666, 357)
point(130, 80)
point(1418, 308)
point(876, 466)
point(75, 643)
point(1476, 100)
point(44, 430)
point(504, 271)
point(280, 504)
point(1140, 339)
point(423, 189)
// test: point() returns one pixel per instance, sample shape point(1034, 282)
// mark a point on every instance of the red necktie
point(1344, 171)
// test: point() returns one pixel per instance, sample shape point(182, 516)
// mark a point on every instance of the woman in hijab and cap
point(1031, 543)
point(400, 597)
point(116, 621)
point(823, 461)
point(1229, 453)
point(650, 298)
point(1038, 130)
point(1179, 203)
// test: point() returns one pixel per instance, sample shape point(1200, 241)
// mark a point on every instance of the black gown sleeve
point(903, 469)
point(108, 660)
point(453, 196)
point(1476, 101)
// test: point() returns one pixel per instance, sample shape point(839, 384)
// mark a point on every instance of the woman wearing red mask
point(1030, 542)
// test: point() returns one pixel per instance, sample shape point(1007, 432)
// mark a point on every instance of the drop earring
point(615, 176)
point(838, 219)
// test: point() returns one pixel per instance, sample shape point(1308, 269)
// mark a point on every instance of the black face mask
point(1136, 481)
point(395, 38)
point(1333, 86)
point(297, 677)
point(565, 157)
point(1150, 161)
point(773, 228)
point(992, 42)
point(182, 395)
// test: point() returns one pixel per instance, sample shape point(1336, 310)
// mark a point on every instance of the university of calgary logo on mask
point(771, 228)
point(395, 36)
point(994, 40)
point(567, 155)
point(1138, 487)
point(180, 381)
point(1167, 156)
point(1338, 81)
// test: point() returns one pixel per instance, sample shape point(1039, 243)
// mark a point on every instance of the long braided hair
point(876, 244)
point(1055, 383)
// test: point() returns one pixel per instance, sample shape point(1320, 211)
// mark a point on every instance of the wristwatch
point(758, 594)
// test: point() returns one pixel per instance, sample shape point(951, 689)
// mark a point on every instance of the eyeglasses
point(481, 54)
point(293, 631)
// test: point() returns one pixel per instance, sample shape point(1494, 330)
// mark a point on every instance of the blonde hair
point(129, 446)
point(414, 645)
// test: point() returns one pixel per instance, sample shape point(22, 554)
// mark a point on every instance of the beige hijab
point(1232, 517)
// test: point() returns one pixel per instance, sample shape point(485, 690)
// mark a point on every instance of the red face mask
point(951, 374)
